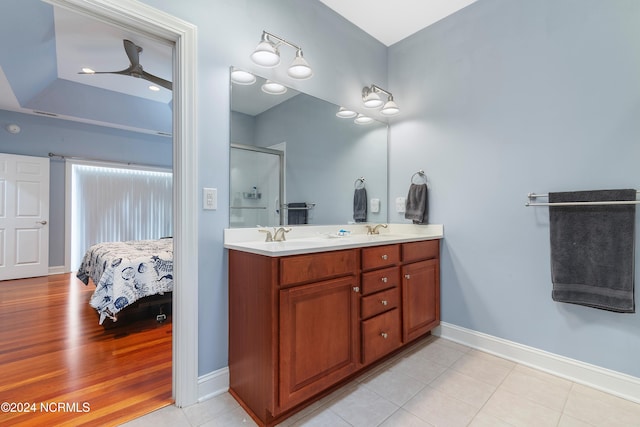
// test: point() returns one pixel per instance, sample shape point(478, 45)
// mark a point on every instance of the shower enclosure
point(257, 186)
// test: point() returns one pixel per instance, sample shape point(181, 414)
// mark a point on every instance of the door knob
point(407, 276)
point(41, 222)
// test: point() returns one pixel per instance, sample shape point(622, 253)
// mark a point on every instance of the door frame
point(134, 15)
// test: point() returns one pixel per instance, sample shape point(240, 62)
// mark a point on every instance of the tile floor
point(435, 383)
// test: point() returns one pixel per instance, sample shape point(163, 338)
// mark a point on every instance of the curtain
point(117, 204)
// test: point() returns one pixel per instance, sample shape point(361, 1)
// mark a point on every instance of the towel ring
point(421, 174)
point(359, 183)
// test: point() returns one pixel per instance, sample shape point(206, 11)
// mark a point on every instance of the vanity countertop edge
point(312, 239)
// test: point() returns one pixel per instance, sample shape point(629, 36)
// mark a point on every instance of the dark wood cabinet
point(318, 337)
point(301, 324)
point(421, 298)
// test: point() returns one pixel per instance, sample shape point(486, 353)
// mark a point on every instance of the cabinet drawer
point(378, 280)
point(415, 251)
point(381, 335)
point(314, 267)
point(380, 302)
point(380, 256)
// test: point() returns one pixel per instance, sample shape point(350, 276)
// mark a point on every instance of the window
point(117, 203)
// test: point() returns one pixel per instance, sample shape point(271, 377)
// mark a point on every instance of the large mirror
point(293, 161)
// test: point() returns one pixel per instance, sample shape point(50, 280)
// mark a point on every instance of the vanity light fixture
point(371, 99)
point(345, 113)
point(242, 77)
point(273, 88)
point(362, 119)
point(267, 55)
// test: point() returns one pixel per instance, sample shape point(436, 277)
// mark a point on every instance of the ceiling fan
point(135, 69)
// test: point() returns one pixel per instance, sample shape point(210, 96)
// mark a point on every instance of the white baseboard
point(58, 269)
point(616, 383)
point(213, 384)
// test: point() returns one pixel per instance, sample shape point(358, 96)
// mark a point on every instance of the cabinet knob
point(384, 302)
point(356, 289)
point(384, 280)
point(385, 256)
point(407, 276)
point(384, 335)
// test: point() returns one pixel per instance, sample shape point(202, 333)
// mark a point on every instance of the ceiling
point(45, 47)
point(391, 21)
point(43, 50)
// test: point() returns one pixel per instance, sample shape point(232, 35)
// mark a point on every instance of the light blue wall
point(506, 98)
point(40, 136)
point(344, 59)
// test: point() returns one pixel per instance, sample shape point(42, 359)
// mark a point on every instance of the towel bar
point(309, 206)
point(611, 202)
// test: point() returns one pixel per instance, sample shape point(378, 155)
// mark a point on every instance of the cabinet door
point(420, 298)
point(318, 337)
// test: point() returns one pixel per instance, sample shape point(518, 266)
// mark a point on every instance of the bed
point(125, 272)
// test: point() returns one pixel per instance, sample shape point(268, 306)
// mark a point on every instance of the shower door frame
point(281, 202)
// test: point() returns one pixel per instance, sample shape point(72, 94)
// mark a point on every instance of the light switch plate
point(400, 204)
point(210, 199)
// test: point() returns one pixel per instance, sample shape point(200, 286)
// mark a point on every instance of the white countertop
point(320, 238)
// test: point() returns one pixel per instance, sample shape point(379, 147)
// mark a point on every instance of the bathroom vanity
point(311, 312)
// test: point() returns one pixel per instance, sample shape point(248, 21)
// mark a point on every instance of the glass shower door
point(257, 186)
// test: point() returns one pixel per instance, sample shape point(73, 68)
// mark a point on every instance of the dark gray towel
point(360, 205)
point(592, 250)
point(417, 204)
point(297, 213)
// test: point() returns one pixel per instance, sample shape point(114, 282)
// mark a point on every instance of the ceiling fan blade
point(133, 52)
point(157, 80)
point(125, 72)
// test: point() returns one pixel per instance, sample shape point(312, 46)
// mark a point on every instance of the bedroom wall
point(343, 58)
point(42, 135)
point(506, 98)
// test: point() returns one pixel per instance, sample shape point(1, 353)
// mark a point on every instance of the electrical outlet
point(400, 204)
point(210, 199)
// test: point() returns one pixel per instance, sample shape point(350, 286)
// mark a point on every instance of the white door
point(24, 216)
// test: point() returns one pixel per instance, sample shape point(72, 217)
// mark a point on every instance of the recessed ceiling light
point(154, 88)
point(273, 88)
point(242, 77)
point(362, 119)
point(88, 70)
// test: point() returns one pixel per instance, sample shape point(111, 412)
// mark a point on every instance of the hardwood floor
point(57, 363)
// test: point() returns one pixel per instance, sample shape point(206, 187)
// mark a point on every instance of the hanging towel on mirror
point(592, 250)
point(417, 204)
point(360, 205)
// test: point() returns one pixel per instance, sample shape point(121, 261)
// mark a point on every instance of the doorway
point(139, 17)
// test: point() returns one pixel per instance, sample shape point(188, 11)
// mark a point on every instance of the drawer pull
point(385, 257)
point(407, 276)
point(356, 289)
point(384, 335)
point(384, 302)
point(384, 280)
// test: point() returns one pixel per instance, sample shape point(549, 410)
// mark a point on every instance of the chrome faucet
point(269, 237)
point(278, 236)
point(374, 229)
